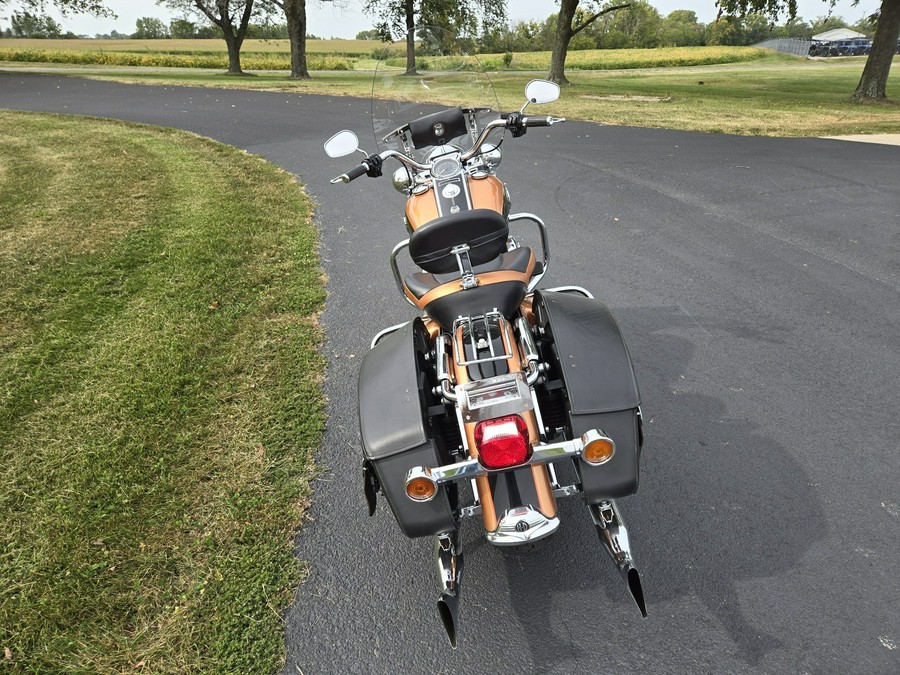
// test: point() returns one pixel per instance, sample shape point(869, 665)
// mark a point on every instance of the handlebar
point(515, 121)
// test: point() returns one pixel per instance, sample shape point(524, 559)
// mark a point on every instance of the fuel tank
point(462, 192)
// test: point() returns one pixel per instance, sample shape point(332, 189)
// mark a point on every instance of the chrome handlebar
point(464, 157)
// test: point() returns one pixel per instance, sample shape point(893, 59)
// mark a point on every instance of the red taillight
point(502, 442)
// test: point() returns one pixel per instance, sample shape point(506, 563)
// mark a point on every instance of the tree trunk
point(410, 38)
point(295, 13)
point(234, 52)
point(873, 83)
point(563, 37)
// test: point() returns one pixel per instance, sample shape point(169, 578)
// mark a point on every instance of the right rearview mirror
point(541, 91)
point(341, 144)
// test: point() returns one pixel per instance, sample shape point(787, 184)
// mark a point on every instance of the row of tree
point(578, 23)
point(640, 25)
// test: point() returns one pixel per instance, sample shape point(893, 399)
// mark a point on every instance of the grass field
point(777, 96)
point(160, 398)
point(737, 90)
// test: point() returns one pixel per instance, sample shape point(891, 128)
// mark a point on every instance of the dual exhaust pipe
point(610, 529)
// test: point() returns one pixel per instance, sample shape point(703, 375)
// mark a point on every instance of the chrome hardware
point(529, 350)
point(614, 537)
point(478, 332)
point(402, 180)
point(567, 491)
point(494, 397)
point(385, 332)
point(542, 454)
point(465, 266)
point(545, 244)
point(396, 270)
point(448, 555)
point(521, 525)
point(469, 511)
point(571, 289)
point(442, 366)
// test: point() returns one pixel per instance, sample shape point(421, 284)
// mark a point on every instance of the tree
point(681, 29)
point(295, 14)
point(223, 14)
point(873, 83)
point(398, 17)
point(641, 22)
point(566, 30)
point(148, 28)
point(95, 7)
point(28, 25)
point(182, 29)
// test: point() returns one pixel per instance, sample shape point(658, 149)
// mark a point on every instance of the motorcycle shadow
point(720, 504)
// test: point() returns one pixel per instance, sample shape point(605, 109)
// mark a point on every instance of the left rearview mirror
point(342, 144)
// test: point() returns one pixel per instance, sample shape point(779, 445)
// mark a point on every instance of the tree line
point(640, 25)
point(579, 24)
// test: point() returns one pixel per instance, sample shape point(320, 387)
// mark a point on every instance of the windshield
point(447, 78)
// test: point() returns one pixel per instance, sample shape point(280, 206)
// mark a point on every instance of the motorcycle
point(497, 389)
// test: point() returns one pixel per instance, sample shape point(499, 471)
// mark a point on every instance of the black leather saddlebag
point(585, 348)
point(395, 437)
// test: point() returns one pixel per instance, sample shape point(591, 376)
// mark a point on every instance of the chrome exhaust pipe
point(614, 537)
point(448, 609)
point(449, 563)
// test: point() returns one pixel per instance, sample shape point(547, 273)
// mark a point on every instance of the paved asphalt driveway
point(757, 282)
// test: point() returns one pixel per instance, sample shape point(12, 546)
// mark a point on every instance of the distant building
point(837, 34)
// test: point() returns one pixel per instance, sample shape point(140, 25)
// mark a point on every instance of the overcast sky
point(326, 20)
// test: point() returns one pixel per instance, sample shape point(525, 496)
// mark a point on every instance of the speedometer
point(446, 167)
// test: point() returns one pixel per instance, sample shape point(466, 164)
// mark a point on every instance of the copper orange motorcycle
point(499, 397)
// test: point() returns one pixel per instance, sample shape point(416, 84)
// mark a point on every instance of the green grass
point(160, 398)
point(776, 96)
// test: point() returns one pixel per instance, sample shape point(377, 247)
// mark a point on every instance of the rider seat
point(502, 276)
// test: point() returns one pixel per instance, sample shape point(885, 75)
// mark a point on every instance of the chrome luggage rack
point(478, 331)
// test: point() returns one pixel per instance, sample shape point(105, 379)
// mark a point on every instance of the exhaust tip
point(448, 608)
point(637, 591)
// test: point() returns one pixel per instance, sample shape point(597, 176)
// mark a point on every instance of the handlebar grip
point(536, 121)
point(355, 172)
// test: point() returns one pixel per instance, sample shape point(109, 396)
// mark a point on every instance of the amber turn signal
point(421, 489)
point(598, 451)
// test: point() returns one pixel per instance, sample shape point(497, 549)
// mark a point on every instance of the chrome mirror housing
point(343, 143)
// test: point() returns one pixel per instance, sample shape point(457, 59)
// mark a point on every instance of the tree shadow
point(720, 504)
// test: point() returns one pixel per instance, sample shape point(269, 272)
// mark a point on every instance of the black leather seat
point(517, 260)
point(484, 230)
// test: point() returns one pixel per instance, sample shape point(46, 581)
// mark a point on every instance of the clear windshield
point(447, 76)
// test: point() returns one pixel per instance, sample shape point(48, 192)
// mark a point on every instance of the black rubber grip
point(537, 121)
point(357, 171)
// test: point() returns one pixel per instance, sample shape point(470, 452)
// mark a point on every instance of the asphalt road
point(757, 282)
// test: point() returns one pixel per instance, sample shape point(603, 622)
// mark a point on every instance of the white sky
point(326, 20)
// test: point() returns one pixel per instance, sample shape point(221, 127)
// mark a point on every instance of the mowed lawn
point(160, 398)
